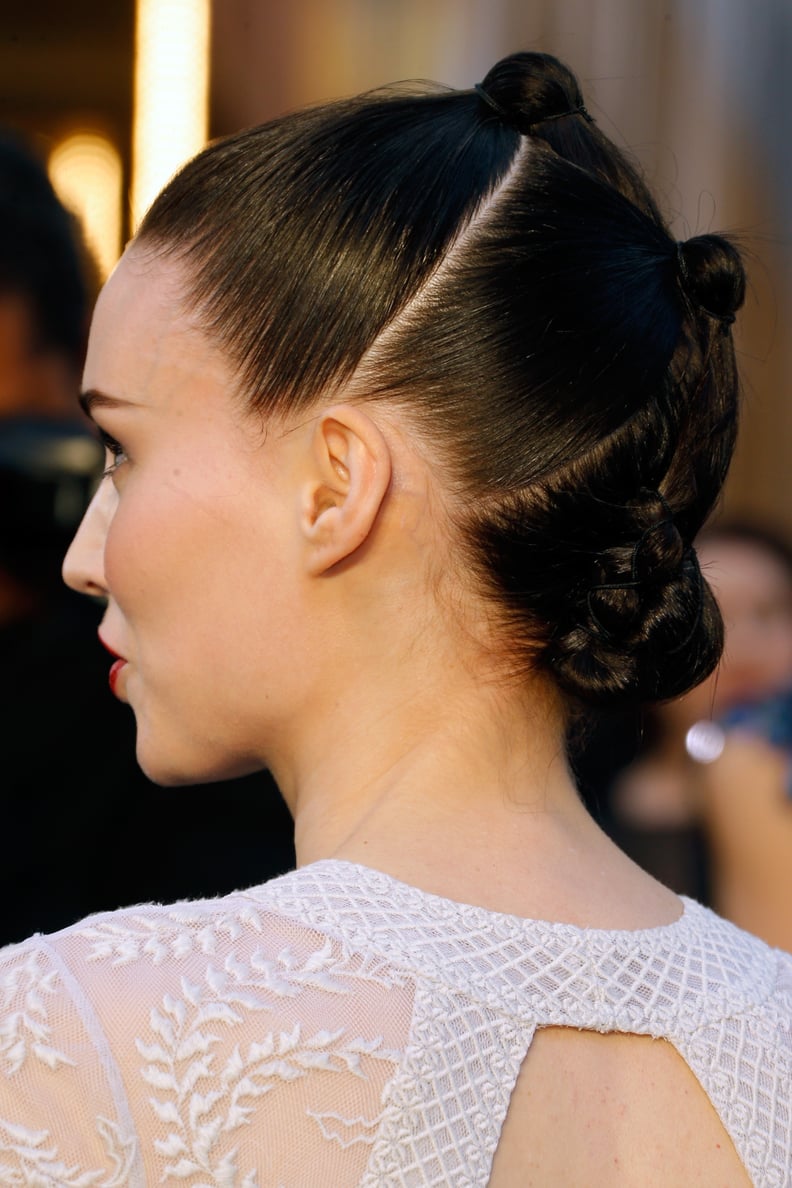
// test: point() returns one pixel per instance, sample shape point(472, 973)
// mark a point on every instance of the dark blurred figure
point(709, 820)
point(745, 799)
point(80, 835)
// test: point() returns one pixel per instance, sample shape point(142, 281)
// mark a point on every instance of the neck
point(466, 793)
point(409, 768)
point(409, 751)
point(468, 796)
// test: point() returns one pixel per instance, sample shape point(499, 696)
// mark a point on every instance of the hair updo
point(490, 260)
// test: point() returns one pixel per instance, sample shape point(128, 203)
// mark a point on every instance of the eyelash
point(117, 450)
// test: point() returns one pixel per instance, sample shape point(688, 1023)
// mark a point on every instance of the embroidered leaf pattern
point(25, 1031)
point(347, 1131)
point(237, 1095)
point(35, 1159)
point(201, 1100)
point(177, 933)
point(161, 937)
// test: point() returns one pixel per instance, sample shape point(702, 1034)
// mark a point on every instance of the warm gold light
point(86, 172)
point(171, 115)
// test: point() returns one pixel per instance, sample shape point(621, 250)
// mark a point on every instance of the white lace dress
point(337, 1027)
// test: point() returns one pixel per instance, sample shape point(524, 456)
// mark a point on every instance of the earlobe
point(350, 476)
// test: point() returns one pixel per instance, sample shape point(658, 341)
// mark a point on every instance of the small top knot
point(518, 121)
point(712, 277)
point(526, 90)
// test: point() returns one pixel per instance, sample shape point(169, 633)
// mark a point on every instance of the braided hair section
point(603, 399)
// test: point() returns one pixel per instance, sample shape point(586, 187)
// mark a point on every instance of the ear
point(349, 475)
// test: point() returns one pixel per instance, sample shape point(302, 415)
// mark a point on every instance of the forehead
point(141, 282)
point(141, 330)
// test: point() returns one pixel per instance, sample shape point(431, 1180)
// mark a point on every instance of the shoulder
point(741, 971)
point(272, 935)
point(296, 917)
point(179, 1031)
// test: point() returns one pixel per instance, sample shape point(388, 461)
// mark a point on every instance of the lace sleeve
point(169, 1046)
point(60, 1120)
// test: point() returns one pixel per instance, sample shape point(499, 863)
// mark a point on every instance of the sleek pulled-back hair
point(492, 262)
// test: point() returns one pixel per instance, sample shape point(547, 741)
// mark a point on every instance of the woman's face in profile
point(754, 591)
point(189, 537)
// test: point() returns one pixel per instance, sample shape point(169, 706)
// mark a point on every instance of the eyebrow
point(93, 398)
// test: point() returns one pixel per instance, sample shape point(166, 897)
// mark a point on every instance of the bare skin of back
point(606, 1111)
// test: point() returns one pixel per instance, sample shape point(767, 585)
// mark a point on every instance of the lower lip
point(115, 673)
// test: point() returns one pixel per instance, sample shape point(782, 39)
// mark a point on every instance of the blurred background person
point(745, 788)
point(47, 285)
point(710, 820)
point(84, 829)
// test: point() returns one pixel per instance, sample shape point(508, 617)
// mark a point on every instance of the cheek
point(144, 549)
point(123, 553)
point(172, 561)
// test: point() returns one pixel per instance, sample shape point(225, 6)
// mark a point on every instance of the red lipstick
point(114, 674)
point(116, 668)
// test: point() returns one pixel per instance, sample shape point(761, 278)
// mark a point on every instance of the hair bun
point(531, 87)
point(642, 640)
point(712, 275)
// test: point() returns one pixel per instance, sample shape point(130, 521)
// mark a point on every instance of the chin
point(166, 777)
point(170, 771)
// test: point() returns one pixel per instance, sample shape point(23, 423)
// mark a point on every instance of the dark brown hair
point(501, 269)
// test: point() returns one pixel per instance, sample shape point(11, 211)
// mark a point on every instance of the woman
point(745, 782)
point(709, 821)
point(414, 408)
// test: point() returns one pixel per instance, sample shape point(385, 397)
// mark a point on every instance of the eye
point(114, 449)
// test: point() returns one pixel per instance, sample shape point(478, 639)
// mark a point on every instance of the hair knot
point(525, 122)
point(657, 557)
point(711, 277)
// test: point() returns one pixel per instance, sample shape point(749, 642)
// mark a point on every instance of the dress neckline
point(368, 880)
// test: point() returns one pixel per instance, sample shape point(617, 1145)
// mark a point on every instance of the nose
point(83, 565)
